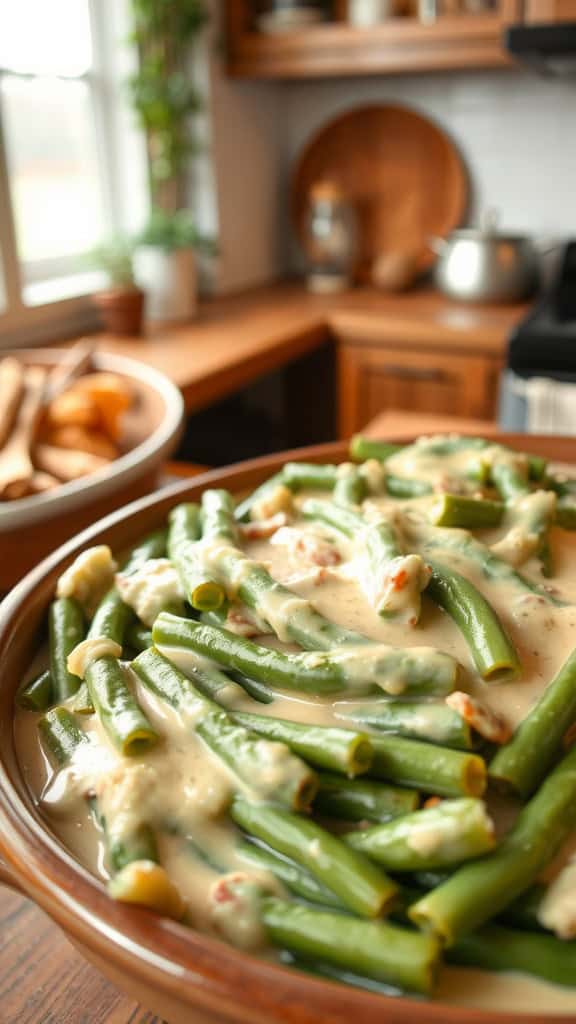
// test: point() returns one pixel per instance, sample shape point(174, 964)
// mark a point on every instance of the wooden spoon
point(15, 462)
point(75, 362)
point(11, 389)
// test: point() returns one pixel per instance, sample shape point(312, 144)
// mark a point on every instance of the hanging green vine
point(162, 93)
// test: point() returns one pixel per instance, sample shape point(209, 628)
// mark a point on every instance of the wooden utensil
point(76, 361)
point(401, 172)
point(15, 461)
point(11, 389)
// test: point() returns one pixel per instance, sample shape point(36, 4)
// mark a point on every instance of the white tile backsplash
point(516, 132)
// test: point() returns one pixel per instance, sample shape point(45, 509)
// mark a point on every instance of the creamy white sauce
point(182, 784)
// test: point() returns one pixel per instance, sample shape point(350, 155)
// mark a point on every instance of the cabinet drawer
point(375, 379)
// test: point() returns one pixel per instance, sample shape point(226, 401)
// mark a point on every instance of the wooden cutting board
point(401, 172)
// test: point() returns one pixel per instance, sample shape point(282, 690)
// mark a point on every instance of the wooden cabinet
point(377, 378)
point(549, 11)
point(400, 44)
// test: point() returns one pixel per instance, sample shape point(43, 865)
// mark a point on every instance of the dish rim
point(194, 968)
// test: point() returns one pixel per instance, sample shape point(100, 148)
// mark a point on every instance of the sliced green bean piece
point(461, 510)
point(429, 721)
point(66, 622)
point(479, 891)
point(139, 637)
point(362, 448)
point(60, 735)
point(113, 617)
point(294, 877)
point(522, 763)
point(350, 486)
point(37, 694)
point(244, 507)
point(429, 768)
point(184, 532)
point(268, 769)
point(381, 951)
point(436, 837)
point(494, 948)
point(413, 670)
point(361, 886)
point(362, 799)
point(493, 654)
point(122, 717)
point(83, 702)
point(340, 750)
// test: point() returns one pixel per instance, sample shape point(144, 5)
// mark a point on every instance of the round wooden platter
point(401, 172)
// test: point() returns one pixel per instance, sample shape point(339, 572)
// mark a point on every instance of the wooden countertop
point(235, 340)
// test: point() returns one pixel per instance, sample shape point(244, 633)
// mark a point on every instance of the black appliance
point(549, 49)
point(544, 343)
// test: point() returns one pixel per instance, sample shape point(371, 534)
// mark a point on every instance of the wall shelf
point(396, 46)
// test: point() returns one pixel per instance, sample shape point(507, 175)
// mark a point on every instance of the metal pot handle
point(8, 878)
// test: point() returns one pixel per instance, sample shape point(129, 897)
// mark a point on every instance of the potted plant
point(121, 305)
point(165, 98)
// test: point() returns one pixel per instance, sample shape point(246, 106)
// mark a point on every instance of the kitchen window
point(59, 157)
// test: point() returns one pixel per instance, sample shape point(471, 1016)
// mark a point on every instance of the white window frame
point(124, 195)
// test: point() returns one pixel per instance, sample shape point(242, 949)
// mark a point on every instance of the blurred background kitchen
point(310, 215)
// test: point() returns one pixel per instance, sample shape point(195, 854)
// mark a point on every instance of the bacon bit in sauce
point(432, 801)
point(481, 718)
point(239, 623)
point(309, 549)
point(399, 579)
point(261, 529)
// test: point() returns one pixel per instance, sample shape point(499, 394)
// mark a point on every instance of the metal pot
point(482, 265)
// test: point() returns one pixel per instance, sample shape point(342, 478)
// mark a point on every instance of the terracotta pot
point(122, 310)
point(185, 977)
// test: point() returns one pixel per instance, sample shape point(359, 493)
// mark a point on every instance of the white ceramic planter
point(169, 279)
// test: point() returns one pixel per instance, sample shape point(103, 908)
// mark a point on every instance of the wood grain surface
point(43, 980)
point(237, 339)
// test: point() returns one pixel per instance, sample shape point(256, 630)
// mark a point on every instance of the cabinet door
point(372, 380)
point(547, 11)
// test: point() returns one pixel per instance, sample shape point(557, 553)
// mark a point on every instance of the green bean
point(362, 799)
point(113, 618)
point(257, 589)
point(342, 976)
point(294, 877)
point(500, 949)
point(139, 637)
point(414, 670)
point(66, 623)
point(37, 694)
point(521, 913)
point(362, 448)
point(122, 718)
point(340, 750)
point(460, 510)
point(436, 837)
point(60, 735)
point(385, 952)
point(430, 721)
point(510, 478)
point(298, 476)
point(522, 763)
point(339, 517)
point(244, 508)
point(493, 654)
point(405, 487)
point(269, 770)
point(201, 591)
point(258, 691)
point(479, 891)
point(426, 767)
point(82, 701)
point(350, 486)
point(208, 680)
point(361, 886)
